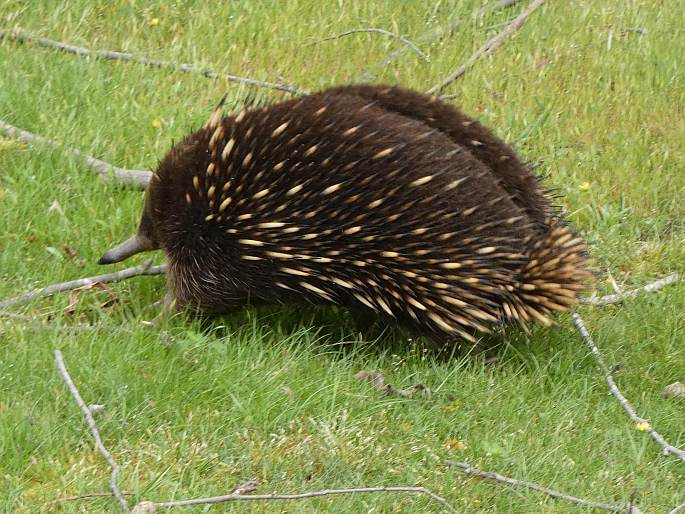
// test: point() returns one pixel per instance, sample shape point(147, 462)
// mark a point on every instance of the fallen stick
point(143, 269)
point(313, 494)
point(21, 35)
point(400, 38)
point(136, 178)
point(431, 37)
point(640, 422)
point(470, 470)
point(619, 297)
point(488, 47)
point(59, 360)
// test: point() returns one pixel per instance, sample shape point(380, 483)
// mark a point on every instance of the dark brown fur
point(516, 178)
point(365, 197)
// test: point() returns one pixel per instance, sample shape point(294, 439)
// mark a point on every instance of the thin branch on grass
point(400, 38)
point(470, 470)
point(59, 360)
point(313, 494)
point(619, 297)
point(136, 178)
point(432, 37)
point(143, 269)
point(640, 422)
point(488, 47)
point(21, 35)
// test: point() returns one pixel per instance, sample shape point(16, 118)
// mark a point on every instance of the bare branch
point(619, 297)
point(488, 47)
point(470, 470)
point(402, 39)
point(313, 494)
point(21, 35)
point(641, 423)
point(143, 269)
point(59, 360)
point(136, 178)
point(432, 37)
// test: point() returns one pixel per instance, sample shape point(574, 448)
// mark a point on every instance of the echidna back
point(517, 179)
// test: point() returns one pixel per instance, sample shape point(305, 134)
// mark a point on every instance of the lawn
point(593, 92)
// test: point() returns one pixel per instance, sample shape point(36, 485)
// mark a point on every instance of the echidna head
point(144, 240)
point(184, 156)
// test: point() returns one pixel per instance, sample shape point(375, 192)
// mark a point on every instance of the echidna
point(374, 198)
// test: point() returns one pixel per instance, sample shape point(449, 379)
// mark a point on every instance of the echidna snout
point(143, 240)
point(375, 198)
point(130, 247)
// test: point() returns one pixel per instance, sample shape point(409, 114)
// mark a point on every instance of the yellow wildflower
point(455, 444)
point(153, 22)
point(584, 186)
point(643, 426)
point(156, 123)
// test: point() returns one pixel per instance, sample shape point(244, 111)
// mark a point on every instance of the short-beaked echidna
point(374, 198)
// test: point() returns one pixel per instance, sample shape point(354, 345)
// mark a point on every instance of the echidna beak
point(131, 246)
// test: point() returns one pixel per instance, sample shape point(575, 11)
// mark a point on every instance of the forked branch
point(433, 36)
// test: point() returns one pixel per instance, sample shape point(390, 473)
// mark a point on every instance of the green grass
point(268, 394)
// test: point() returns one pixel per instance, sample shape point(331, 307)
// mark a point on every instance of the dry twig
point(488, 47)
point(137, 178)
point(59, 360)
point(313, 494)
point(21, 35)
point(143, 269)
point(630, 410)
point(470, 470)
point(400, 38)
point(432, 37)
point(619, 297)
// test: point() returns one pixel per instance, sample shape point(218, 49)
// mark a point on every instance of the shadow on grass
point(335, 332)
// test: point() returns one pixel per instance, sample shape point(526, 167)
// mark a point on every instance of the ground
point(591, 91)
